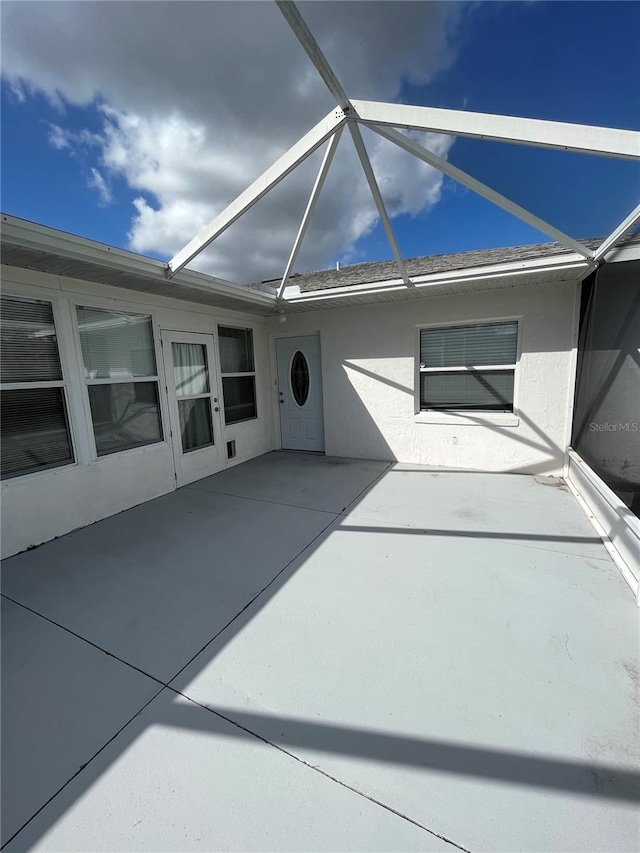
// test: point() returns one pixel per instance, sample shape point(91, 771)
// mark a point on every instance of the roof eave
point(31, 235)
point(573, 264)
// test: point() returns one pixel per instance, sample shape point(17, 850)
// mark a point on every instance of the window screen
point(116, 345)
point(35, 430)
point(236, 350)
point(469, 346)
point(606, 425)
point(29, 344)
point(468, 367)
point(239, 398)
point(120, 370)
point(237, 367)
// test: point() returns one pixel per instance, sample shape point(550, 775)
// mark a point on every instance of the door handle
point(281, 400)
point(217, 409)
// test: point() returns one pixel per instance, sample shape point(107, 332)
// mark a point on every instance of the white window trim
point(231, 325)
point(38, 294)
point(465, 418)
point(80, 301)
point(468, 417)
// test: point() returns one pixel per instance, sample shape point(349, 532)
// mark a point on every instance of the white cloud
point(407, 183)
point(196, 99)
point(97, 182)
point(59, 138)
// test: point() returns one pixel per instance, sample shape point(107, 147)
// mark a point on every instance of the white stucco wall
point(43, 505)
point(370, 374)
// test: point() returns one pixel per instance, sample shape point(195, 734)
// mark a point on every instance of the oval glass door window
point(299, 378)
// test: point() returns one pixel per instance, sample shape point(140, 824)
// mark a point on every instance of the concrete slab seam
point(324, 773)
point(162, 684)
point(83, 766)
point(368, 486)
point(84, 639)
point(255, 597)
point(259, 500)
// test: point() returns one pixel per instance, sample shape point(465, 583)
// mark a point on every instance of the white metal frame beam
point(382, 118)
point(617, 235)
point(605, 141)
point(306, 39)
point(413, 147)
point(297, 154)
point(377, 197)
point(313, 198)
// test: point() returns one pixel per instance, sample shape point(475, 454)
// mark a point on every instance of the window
point(35, 427)
point(468, 367)
point(120, 370)
point(191, 379)
point(238, 374)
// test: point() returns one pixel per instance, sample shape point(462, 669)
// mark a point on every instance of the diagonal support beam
point(297, 154)
point(377, 197)
point(618, 234)
point(313, 198)
point(466, 180)
point(608, 142)
point(306, 39)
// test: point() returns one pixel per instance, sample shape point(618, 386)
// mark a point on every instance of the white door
point(194, 408)
point(300, 393)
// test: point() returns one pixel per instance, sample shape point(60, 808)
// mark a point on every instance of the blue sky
point(574, 61)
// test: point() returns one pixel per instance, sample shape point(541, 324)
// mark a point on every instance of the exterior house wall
point(371, 369)
point(40, 506)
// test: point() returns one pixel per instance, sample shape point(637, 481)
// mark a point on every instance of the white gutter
point(623, 253)
point(31, 235)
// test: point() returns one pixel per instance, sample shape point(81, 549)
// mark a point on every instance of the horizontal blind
point(29, 347)
point(116, 344)
point(34, 431)
point(490, 390)
point(236, 350)
point(466, 346)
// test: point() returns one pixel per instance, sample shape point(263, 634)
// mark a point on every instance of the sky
point(135, 123)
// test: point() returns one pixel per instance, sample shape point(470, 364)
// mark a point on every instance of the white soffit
point(28, 245)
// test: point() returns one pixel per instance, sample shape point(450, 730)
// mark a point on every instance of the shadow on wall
point(355, 419)
point(369, 360)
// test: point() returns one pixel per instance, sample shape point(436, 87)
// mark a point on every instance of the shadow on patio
point(260, 661)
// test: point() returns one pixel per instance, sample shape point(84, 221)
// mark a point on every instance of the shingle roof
point(369, 273)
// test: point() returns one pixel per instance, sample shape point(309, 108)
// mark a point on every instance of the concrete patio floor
point(305, 653)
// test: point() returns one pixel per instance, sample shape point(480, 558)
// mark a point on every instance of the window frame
point(65, 383)
point(235, 375)
point(441, 415)
point(87, 301)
